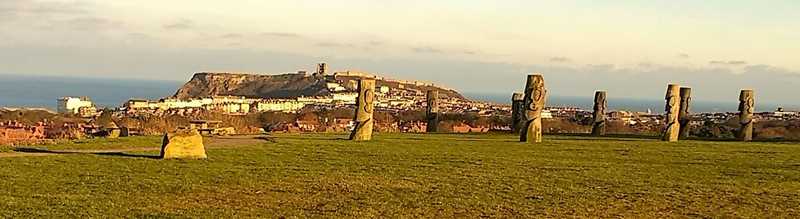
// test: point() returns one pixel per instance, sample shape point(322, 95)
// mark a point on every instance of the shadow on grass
point(622, 137)
point(122, 154)
point(117, 154)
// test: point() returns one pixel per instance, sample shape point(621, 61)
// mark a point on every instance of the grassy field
point(408, 175)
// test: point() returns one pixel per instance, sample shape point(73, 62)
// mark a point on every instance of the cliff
point(280, 86)
point(251, 85)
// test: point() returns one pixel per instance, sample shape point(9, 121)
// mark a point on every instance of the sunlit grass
point(412, 175)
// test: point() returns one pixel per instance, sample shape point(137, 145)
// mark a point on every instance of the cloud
point(375, 43)
point(733, 62)
point(768, 69)
point(31, 13)
point(280, 34)
point(93, 23)
point(683, 55)
point(470, 52)
point(335, 45)
point(183, 24)
point(434, 50)
point(560, 59)
point(38, 8)
point(427, 49)
point(600, 67)
point(645, 65)
point(231, 36)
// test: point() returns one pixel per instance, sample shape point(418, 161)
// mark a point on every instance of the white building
point(546, 114)
point(384, 89)
point(73, 105)
point(279, 106)
point(346, 97)
point(172, 103)
point(335, 87)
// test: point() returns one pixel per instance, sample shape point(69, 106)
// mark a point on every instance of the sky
point(632, 49)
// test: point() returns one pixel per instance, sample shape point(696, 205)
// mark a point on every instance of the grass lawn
point(409, 175)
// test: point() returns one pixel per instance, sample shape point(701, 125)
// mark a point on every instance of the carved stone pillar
point(364, 109)
point(517, 109)
point(746, 108)
point(535, 96)
point(433, 111)
point(599, 115)
point(672, 107)
point(684, 115)
point(322, 68)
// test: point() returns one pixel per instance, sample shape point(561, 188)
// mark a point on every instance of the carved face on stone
point(368, 98)
point(600, 102)
point(746, 102)
point(432, 104)
point(671, 98)
point(685, 104)
point(537, 95)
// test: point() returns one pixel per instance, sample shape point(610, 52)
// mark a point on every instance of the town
point(399, 108)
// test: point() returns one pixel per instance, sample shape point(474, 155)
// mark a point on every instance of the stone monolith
point(599, 115)
point(322, 68)
point(364, 109)
point(433, 111)
point(111, 130)
point(517, 109)
point(746, 108)
point(183, 144)
point(684, 115)
point(535, 95)
point(672, 107)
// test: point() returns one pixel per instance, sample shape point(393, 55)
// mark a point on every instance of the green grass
point(408, 175)
point(96, 144)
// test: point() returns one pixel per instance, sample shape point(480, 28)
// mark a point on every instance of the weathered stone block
point(517, 109)
point(113, 133)
point(684, 116)
point(433, 111)
point(673, 100)
point(364, 108)
point(535, 95)
point(599, 114)
point(183, 144)
point(746, 109)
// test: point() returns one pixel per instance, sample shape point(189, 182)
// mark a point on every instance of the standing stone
point(322, 68)
point(672, 107)
point(599, 116)
point(111, 130)
point(746, 108)
point(183, 144)
point(535, 96)
point(683, 115)
point(364, 109)
point(433, 111)
point(517, 102)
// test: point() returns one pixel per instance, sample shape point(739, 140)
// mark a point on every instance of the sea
point(624, 104)
point(43, 91)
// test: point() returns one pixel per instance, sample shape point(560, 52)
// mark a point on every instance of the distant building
point(279, 106)
point(546, 114)
point(384, 89)
point(345, 97)
point(335, 87)
point(76, 105)
point(137, 104)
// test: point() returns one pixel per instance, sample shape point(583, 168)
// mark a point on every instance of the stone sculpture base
point(183, 144)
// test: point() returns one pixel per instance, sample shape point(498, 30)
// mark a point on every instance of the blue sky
point(630, 48)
